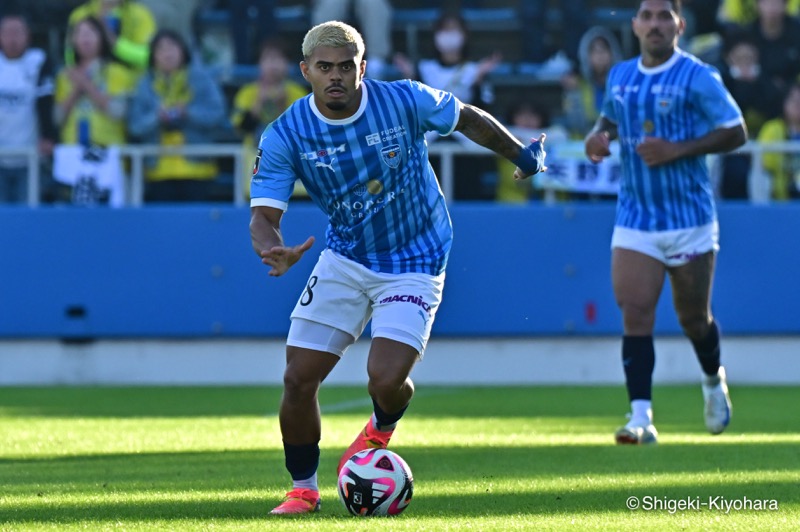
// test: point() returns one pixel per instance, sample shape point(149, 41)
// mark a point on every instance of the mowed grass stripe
point(494, 458)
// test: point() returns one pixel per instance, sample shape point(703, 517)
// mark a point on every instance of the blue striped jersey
point(681, 99)
point(369, 173)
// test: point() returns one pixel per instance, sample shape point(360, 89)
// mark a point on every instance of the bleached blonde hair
point(334, 34)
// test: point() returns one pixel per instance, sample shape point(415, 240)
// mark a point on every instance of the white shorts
point(345, 295)
point(673, 248)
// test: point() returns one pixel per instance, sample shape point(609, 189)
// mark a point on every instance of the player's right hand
point(281, 258)
point(597, 146)
point(531, 159)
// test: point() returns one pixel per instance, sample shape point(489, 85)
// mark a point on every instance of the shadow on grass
point(757, 409)
point(485, 481)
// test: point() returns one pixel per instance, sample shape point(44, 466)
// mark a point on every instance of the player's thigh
point(637, 279)
point(334, 295)
point(307, 368)
point(404, 307)
point(691, 286)
point(390, 362)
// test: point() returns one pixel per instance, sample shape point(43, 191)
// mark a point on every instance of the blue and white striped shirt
point(369, 173)
point(681, 99)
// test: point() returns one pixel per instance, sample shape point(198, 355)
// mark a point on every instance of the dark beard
point(336, 106)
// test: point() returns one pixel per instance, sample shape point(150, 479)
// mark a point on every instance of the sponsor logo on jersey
point(373, 186)
point(405, 298)
point(358, 208)
point(323, 153)
point(329, 166)
point(386, 135)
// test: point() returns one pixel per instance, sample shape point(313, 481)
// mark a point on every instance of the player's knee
point(695, 327)
point(638, 317)
point(298, 386)
point(387, 385)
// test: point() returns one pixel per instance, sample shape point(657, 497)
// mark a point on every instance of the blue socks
point(302, 462)
point(707, 351)
point(638, 360)
point(385, 422)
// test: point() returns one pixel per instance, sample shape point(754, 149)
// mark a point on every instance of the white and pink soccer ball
point(375, 482)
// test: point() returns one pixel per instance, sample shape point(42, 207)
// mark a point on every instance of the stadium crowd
point(80, 77)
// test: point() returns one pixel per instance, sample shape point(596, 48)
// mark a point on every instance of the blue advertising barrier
point(190, 271)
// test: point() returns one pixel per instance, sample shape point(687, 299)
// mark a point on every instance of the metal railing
point(32, 156)
point(759, 180)
point(137, 153)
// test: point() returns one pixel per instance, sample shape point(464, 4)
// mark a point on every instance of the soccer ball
point(375, 482)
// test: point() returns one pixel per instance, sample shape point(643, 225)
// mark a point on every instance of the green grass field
point(494, 458)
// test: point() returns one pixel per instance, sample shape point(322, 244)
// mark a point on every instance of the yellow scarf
point(173, 89)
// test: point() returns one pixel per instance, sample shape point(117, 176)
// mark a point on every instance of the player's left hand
point(281, 258)
point(536, 154)
point(655, 151)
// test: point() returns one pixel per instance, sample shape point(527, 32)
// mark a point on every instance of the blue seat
point(503, 69)
point(297, 14)
point(402, 17)
point(490, 14)
point(410, 21)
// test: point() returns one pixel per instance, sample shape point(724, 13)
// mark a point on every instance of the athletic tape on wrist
point(531, 158)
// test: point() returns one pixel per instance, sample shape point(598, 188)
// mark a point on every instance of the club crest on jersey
point(664, 105)
point(391, 155)
point(257, 163)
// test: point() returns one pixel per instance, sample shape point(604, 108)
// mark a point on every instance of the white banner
point(569, 169)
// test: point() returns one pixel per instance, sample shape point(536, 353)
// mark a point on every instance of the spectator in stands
point(176, 103)
point(777, 35)
point(451, 70)
point(375, 20)
point(525, 120)
point(91, 94)
point(26, 105)
point(127, 24)
point(759, 98)
point(91, 99)
point(598, 51)
point(258, 103)
point(784, 168)
point(744, 12)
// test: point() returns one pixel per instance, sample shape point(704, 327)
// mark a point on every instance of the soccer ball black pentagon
point(375, 482)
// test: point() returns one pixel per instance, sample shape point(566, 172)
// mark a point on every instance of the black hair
point(530, 106)
point(106, 51)
point(273, 43)
point(175, 37)
point(736, 37)
point(439, 24)
point(16, 13)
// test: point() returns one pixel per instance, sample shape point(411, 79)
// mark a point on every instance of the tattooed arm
point(484, 129)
